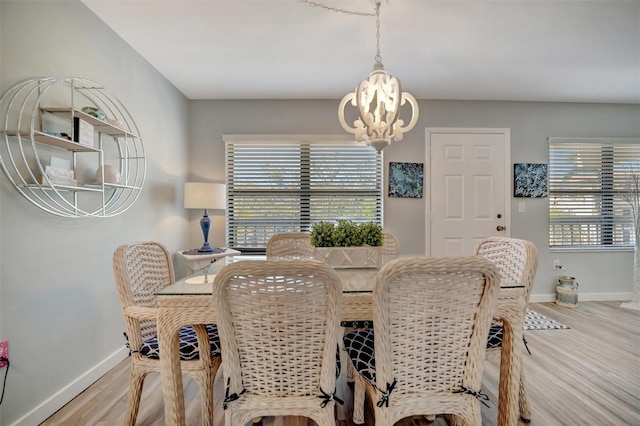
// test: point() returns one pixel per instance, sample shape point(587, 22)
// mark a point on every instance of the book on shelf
point(82, 132)
point(58, 176)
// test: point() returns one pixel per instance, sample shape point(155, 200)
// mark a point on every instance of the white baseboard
point(73, 389)
point(587, 297)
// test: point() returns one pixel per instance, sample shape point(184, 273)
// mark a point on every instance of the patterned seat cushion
point(495, 336)
point(188, 344)
point(494, 341)
point(359, 346)
point(356, 324)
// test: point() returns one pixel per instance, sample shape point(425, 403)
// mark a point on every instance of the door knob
point(500, 228)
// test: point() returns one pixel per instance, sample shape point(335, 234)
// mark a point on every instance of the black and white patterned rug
point(536, 321)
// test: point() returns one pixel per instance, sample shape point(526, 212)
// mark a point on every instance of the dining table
point(190, 301)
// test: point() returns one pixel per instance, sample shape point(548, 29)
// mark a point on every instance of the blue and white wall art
point(406, 180)
point(530, 180)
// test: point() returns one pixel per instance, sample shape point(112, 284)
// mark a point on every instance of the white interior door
point(470, 187)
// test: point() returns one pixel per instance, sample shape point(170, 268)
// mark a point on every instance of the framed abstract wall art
point(406, 180)
point(530, 180)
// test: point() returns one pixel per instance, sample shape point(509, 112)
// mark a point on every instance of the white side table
point(194, 262)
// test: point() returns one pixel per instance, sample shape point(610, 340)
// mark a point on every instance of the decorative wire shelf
point(41, 120)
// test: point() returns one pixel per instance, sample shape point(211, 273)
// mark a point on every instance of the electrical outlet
point(556, 264)
point(4, 352)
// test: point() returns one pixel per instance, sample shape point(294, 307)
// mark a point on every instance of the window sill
point(589, 249)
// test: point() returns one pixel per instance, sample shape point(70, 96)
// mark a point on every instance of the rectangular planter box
point(350, 257)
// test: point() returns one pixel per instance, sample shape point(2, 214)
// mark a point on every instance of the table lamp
point(198, 195)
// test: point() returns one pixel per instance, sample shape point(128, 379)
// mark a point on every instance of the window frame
point(606, 196)
point(296, 140)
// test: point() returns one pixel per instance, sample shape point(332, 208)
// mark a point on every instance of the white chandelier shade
point(378, 100)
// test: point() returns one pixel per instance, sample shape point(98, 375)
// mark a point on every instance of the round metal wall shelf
point(70, 147)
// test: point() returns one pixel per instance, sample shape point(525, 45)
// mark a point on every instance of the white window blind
point(587, 182)
point(288, 183)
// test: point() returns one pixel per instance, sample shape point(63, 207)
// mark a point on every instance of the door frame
point(508, 187)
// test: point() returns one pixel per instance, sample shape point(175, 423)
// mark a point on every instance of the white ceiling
point(531, 50)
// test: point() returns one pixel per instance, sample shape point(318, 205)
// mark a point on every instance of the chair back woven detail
point(290, 246)
point(390, 247)
point(278, 322)
point(517, 260)
point(431, 320)
point(140, 270)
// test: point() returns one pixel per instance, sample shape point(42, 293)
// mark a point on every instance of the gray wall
point(58, 304)
point(601, 275)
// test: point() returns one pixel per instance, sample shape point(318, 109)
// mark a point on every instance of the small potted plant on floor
point(347, 244)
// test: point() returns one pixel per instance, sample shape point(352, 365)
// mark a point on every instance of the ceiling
point(525, 50)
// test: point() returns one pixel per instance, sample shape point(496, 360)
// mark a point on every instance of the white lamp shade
point(200, 195)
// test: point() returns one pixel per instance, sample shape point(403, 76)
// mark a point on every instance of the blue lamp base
point(205, 224)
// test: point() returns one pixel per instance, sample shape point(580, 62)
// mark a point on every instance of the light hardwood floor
point(586, 375)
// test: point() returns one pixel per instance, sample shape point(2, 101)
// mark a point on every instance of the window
point(278, 184)
point(588, 182)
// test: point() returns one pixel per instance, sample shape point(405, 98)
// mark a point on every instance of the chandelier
point(378, 100)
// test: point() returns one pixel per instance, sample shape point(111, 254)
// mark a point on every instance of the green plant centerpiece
point(322, 234)
point(371, 234)
point(347, 244)
point(346, 234)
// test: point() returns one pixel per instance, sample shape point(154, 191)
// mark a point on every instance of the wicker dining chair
point(431, 317)
point(279, 332)
point(294, 245)
point(390, 247)
point(140, 270)
point(390, 251)
point(517, 261)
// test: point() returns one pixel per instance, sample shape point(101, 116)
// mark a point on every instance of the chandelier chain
point(378, 57)
point(335, 9)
